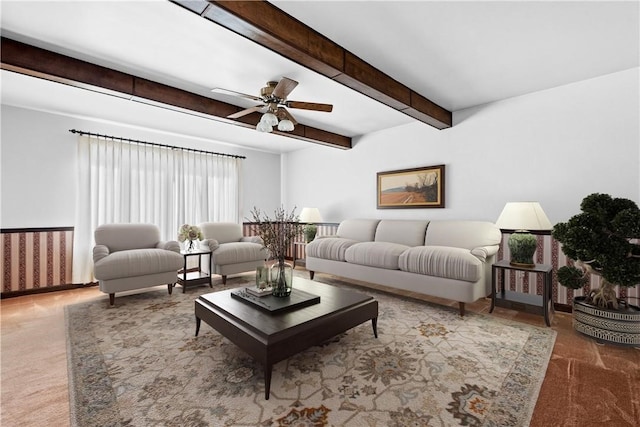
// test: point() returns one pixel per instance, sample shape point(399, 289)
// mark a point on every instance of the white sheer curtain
point(128, 182)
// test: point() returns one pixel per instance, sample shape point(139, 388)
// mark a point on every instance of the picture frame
point(421, 187)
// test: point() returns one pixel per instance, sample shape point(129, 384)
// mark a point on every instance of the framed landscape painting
point(412, 188)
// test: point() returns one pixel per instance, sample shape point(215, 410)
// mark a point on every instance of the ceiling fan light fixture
point(263, 127)
point(285, 125)
point(269, 119)
point(274, 100)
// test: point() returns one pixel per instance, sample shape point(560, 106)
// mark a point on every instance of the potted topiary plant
point(603, 240)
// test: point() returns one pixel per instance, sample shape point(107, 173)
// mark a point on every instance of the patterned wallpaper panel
point(36, 258)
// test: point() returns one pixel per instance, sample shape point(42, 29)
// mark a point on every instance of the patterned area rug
point(139, 364)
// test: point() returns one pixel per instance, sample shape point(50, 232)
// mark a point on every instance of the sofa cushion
point(137, 262)
point(332, 248)
point(376, 254)
point(235, 252)
point(362, 230)
point(463, 234)
point(404, 232)
point(442, 261)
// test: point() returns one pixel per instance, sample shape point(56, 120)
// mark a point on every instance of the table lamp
point(310, 216)
point(520, 218)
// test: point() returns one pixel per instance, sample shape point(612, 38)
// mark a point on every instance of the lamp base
point(522, 246)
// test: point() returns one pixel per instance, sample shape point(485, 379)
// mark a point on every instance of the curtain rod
point(156, 144)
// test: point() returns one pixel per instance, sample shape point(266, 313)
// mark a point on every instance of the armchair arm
point(99, 252)
point(169, 245)
point(484, 252)
point(212, 244)
point(253, 239)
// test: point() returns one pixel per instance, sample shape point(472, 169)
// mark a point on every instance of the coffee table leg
point(374, 323)
point(197, 325)
point(267, 381)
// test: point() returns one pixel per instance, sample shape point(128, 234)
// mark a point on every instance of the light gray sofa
point(132, 256)
point(446, 259)
point(231, 252)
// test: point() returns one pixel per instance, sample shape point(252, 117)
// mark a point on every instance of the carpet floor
point(139, 364)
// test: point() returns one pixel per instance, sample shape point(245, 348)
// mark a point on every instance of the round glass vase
point(281, 277)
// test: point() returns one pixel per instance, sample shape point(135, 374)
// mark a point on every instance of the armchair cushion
point(237, 252)
point(136, 262)
point(223, 232)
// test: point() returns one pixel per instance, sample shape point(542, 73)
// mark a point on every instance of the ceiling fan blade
point(310, 106)
point(234, 93)
point(245, 112)
point(284, 87)
point(287, 115)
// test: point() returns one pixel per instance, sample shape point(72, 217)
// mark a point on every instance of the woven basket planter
point(612, 326)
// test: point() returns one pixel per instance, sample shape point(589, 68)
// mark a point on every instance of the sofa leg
point(224, 279)
point(170, 288)
point(112, 299)
point(461, 305)
point(311, 274)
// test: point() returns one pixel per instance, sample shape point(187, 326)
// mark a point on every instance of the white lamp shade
point(285, 125)
point(310, 215)
point(269, 119)
point(523, 216)
point(263, 127)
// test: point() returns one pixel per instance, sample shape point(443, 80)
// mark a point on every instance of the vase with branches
point(277, 234)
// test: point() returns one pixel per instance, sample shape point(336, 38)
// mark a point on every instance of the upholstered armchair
point(131, 256)
point(231, 252)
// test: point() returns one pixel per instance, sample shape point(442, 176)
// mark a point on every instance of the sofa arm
point(212, 244)
point(99, 252)
point(325, 236)
point(253, 239)
point(484, 252)
point(169, 245)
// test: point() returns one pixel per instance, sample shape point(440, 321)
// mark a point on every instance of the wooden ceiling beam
point(265, 24)
point(30, 60)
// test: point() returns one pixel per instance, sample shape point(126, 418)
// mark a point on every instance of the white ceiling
point(457, 54)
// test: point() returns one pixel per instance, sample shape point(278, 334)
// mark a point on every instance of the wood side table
point(195, 277)
point(538, 304)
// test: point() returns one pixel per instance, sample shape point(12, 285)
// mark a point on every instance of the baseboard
point(57, 288)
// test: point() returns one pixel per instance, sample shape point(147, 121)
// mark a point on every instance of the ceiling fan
point(274, 100)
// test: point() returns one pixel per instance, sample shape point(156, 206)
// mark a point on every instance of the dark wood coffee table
point(270, 338)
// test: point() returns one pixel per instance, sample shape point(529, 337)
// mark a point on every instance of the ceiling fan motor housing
point(267, 91)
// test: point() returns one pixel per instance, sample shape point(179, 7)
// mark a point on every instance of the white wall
point(554, 146)
point(38, 166)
